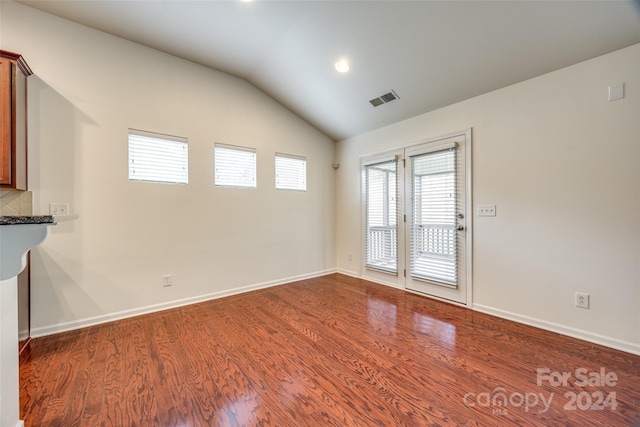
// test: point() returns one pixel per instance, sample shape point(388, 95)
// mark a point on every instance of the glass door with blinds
point(436, 230)
point(416, 205)
point(380, 185)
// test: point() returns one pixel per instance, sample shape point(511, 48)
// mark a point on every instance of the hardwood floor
point(329, 351)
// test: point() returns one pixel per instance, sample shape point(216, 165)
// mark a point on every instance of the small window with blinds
point(155, 157)
point(381, 212)
point(291, 172)
point(234, 166)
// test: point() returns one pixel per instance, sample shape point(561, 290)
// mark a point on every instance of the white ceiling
point(432, 53)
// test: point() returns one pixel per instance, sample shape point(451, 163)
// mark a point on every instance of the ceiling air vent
point(383, 99)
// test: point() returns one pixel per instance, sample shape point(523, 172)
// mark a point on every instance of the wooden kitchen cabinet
point(13, 120)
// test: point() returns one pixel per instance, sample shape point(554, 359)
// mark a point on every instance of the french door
point(417, 218)
point(437, 218)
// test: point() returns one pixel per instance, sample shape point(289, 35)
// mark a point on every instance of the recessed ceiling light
point(343, 66)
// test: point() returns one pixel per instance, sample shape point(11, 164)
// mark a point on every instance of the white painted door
point(437, 209)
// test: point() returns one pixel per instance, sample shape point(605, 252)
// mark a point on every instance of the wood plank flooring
point(329, 351)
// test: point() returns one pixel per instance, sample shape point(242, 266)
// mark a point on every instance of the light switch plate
point(486, 210)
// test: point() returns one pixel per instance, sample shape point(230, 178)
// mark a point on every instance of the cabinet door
point(6, 152)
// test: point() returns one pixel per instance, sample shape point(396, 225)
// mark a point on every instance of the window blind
point(234, 166)
point(158, 158)
point(381, 241)
point(434, 236)
point(291, 172)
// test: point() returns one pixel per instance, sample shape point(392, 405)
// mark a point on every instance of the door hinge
point(405, 272)
point(405, 218)
point(404, 164)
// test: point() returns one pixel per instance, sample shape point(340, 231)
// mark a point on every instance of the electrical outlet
point(58, 208)
point(582, 300)
point(167, 280)
point(486, 210)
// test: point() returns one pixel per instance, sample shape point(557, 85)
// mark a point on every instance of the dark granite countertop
point(27, 219)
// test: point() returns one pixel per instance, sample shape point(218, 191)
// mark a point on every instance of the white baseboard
point(357, 275)
point(614, 343)
point(20, 423)
point(82, 323)
point(626, 346)
point(382, 282)
point(348, 273)
point(629, 347)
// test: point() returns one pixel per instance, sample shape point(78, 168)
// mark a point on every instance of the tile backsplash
point(15, 202)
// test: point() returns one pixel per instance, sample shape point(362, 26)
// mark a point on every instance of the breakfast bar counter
point(18, 234)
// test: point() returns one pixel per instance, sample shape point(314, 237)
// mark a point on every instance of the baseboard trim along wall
point(83, 323)
point(626, 346)
point(349, 273)
point(614, 343)
point(378, 281)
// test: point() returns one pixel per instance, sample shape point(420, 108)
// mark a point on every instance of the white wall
point(562, 164)
point(88, 89)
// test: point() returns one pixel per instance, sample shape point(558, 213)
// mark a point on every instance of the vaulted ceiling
point(431, 53)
